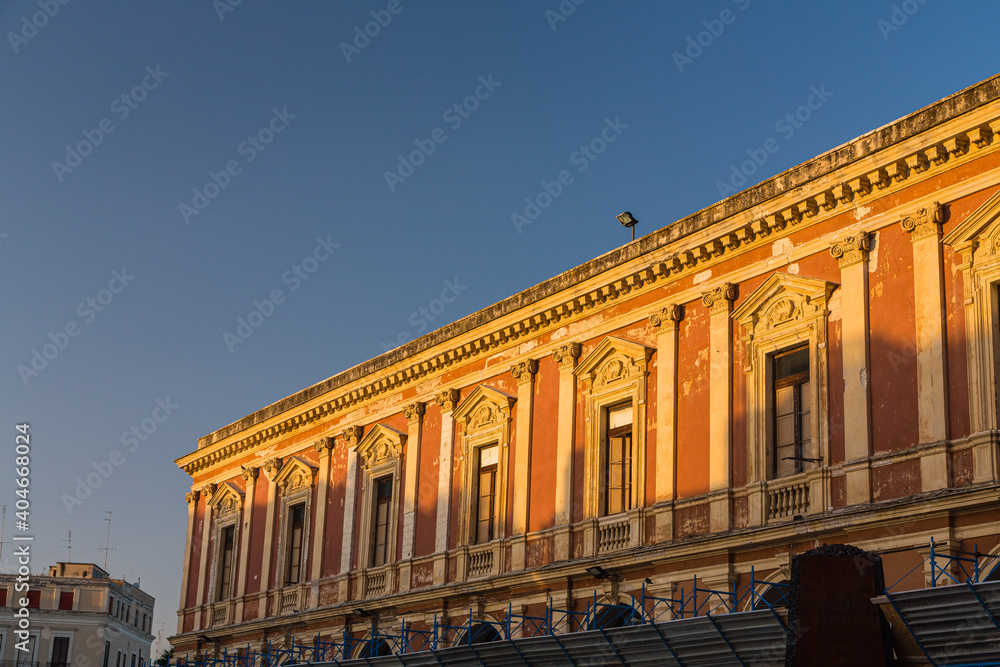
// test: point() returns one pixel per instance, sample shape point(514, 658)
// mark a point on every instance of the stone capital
point(191, 497)
point(851, 250)
point(567, 355)
point(668, 318)
point(271, 467)
point(249, 473)
point(352, 435)
point(324, 445)
point(414, 412)
point(720, 299)
point(524, 371)
point(447, 399)
point(208, 491)
point(925, 222)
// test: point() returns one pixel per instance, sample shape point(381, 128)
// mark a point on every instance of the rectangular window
point(297, 516)
point(383, 502)
point(27, 657)
point(111, 604)
point(133, 660)
point(3, 597)
point(107, 654)
point(791, 427)
point(66, 601)
point(225, 565)
point(60, 652)
point(486, 493)
point(34, 600)
point(618, 468)
point(118, 660)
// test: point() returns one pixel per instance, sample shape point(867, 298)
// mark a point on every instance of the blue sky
point(167, 165)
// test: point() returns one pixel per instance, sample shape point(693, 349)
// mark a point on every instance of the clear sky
point(167, 168)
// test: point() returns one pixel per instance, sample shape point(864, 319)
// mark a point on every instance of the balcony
point(221, 614)
point(614, 533)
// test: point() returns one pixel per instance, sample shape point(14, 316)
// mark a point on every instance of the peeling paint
point(873, 254)
point(861, 212)
point(782, 247)
point(702, 277)
point(863, 376)
point(878, 288)
point(793, 269)
point(834, 305)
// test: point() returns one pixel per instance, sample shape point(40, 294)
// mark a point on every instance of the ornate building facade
point(812, 360)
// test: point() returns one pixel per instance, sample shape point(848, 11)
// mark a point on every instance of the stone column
point(720, 304)
point(206, 533)
point(524, 372)
point(249, 475)
point(447, 399)
point(932, 378)
point(192, 503)
point(565, 357)
point(351, 437)
point(414, 419)
point(667, 322)
point(325, 447)
point(852, 256)
point(271, 468)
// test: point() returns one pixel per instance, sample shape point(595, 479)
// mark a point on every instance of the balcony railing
point(288, 601)
point(480, 562)
point(220, 614)
point(788, 500)
point(376, 583)
point(614, 534)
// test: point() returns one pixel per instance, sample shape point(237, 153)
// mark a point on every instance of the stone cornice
point(684, 246)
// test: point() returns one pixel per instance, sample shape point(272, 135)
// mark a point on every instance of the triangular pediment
point(783, 298)
point(484, 407)
point(227, 499)
point(980, 225)
point(613, 359)
point(380, 444)
point(297, 473)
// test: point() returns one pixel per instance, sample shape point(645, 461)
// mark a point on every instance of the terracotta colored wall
point(430, 449)
point(893, 343)
point(544, 423)
point(256, 555)
point(692, 401)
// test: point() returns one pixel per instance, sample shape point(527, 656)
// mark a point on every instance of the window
point(790, 413)
point(225, 565)
point(66, 601)
point(60, 652)
point(34, 600)
point(133, 660)
point(380, 519)
point(486, 492)
point(297, 516)
point(107, 654)
point(618, 460)
point(3, 598)
point(111, 604)
point(27, 657)
point(118, 660)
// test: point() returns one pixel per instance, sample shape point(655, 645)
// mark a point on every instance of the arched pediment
point(612, 360)
point(227, 499)
point(381, 444)
point(296, 474)
point(782, 299)
point(979, 233)
point(484, 407)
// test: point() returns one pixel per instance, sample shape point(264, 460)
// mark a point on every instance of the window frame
point(796, 381)
point(477, 497)
point(381, 455)
point(295, 482)
point(226, 507)
point(627, 480)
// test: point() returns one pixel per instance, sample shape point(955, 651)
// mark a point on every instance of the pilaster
point(206, 533)
point(325, 448)
point(852, 256)
point(249, 475)
point(932, 380)
point(447, 399)
point(271, 467)
point(524, 372)
point(414, 419)
point(667, 323)
point(719, 302)
point(566, 357)
point(192, 502)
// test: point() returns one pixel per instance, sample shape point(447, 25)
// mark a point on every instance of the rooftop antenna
point(628, 221)
point(3, 524)
point(69, 545)
point(107, 544)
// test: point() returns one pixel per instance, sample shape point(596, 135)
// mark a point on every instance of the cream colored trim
point(381, 454)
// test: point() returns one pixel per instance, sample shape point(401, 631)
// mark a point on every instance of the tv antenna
point(69, 545)
point(3, 524)
point(107, 544)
